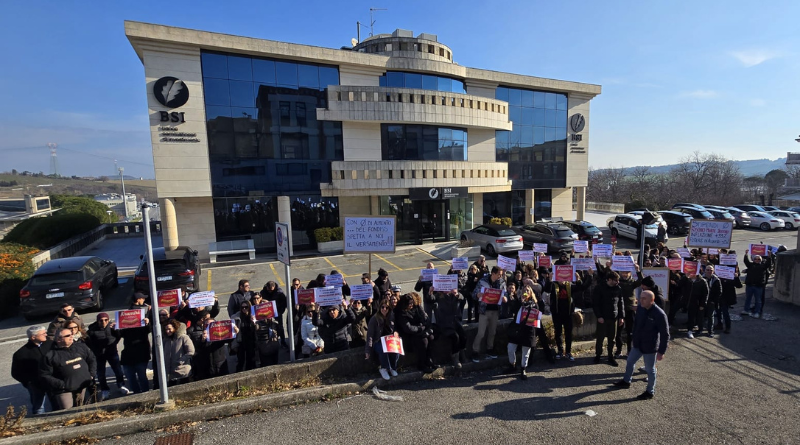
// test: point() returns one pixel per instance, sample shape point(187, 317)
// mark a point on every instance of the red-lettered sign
point(133, 318)
point(167, 298)
point(564, 272)
point(532, 317)
point(675, 264)
point(220, 331)
point(304, 296)
point(545, 261)
point(392, 345)
point(758, 249)
point(264, 311)
point(690, 267)
point(492, 296)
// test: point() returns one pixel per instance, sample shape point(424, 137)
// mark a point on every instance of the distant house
point(114, 202)
point(15, 210)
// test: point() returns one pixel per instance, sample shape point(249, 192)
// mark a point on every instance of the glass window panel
point(395, 80)
point(445, 84)
point(501, 138)
point(244, 120)
point(215, 65)
point(538, 117)
point(430, 82)
point(264, 71)
point(501, 93)
point(328, 76)
point(286, 74)
point(514, 138)
point(514, 97)
point(221, 144)
point(527, 98)
point(538, 99)
point(382, 81)
point(538, 135)
point(561, 133)
point(246, 145)
point(549, 134)
point(242, 94)
point(218, 119)
point(550, 100)
point(216, 92)
point(515, 114)
point(445, 133)
point(526, 136)
point(550, 118)
point(413, 80)
point(458, 87)
point(308, 76)
point(561, 102)
point(527, 117)
point(240, 68)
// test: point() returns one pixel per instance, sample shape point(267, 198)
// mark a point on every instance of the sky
point(677, 77)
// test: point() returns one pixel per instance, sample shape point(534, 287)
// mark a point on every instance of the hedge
point(325, 234)
point(44, 233)
point(502, 221)
point(16, 268)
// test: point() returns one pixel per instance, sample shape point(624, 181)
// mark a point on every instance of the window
point(300, 113)
point(398, 79)
point(423, 142)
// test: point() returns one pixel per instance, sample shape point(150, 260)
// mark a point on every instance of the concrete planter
point(469, 252)
point(330, 246)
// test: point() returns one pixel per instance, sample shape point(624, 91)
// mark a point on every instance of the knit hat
point(649, 282)
point(102, 315)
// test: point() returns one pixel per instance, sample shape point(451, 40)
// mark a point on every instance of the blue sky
point(711, 76)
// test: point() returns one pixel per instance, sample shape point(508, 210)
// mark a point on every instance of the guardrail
point(610, 207)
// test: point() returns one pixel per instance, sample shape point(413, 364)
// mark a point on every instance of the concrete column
point(581, 204)
point(374, 205)
point(285, 216)
point(529, 204)
point(169, 222)
point(477, 210)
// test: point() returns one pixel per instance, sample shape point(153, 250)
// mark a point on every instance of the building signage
point(434, 193)
point(171, 92)
point(577, 122)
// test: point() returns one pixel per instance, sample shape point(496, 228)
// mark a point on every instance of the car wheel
point(463, 237)
point(100, 302)
point(764, 226)
point(490, 250)
point(789, 226)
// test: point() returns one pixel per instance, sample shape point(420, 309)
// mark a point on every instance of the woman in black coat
point(473, 277)
point(414, 328)
point(210, 358)
point(728, 299)
point(333, 326)
point(136, 351)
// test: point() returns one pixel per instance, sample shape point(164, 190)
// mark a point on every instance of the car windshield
point(505, 232)
point(591, 229)
point(167, 267)
point(57, 279)
point(564, 233)
point(705, 214)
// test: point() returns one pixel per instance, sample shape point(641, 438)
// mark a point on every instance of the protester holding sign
point(490, 312)
point(103, 337)
point(628, 285)
point(523, 333)
point(244, 346)
point(698, 298)
point(714, 298)
point(358, 330)
point(562, 306)
point(608, 304)
point(473, 277)
point(333, 328)
point(448, 322)
point(309, 332)
point(382, 325)
point(136, 351)
point(178, 352)
point(424, 284)
point(210, 357)
point(194, 315)
point(728, 300)
point(757, 272)
point(414, 326)
point(273, 292)
point(382, 283)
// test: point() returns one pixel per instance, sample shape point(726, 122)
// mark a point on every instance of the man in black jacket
point(237, 298)
point(333, 326)
point(272, 292)
point(714, 298)
point(25, 366)
point(103, 338)
point(650, 340)
point(698, 298)
point(610, 311)
point(754, 284)
point(68, 369)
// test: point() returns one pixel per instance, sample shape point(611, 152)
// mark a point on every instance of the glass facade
point(264, 140)
point(401, 142)
point(397, 79)
point(536, 149)
point(419, 221)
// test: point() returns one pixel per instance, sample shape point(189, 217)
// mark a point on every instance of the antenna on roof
point(372, 21)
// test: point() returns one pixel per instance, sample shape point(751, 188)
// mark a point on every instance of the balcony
point(409, 106)
point(367, 178)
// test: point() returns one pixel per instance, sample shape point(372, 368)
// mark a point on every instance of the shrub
point(506, 221)
point(323, 234)
point(337, 234)
point(44, 233)
point(15, 270)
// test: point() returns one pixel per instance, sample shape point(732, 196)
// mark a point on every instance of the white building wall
point(362, 141)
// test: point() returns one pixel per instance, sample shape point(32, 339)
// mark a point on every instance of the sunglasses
point(106, 319)
point(385, 307)
point(66, 336)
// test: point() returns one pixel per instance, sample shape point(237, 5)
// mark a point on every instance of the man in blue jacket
point(650, 339)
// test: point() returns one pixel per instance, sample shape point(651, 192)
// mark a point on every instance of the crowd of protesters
point(66, 361)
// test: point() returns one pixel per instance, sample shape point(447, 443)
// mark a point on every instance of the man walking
point(609, 308)
point(650, 340)
point(25, 366)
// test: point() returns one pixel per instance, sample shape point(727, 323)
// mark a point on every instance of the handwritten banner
point(564, 272)
point(684, 252)
point(392, 345)
point(427, 274)
point(265, 310)
point(728, 259)
point(220, 331)
point(531, 317)
point(361, 292)
point(201, 299)
point(603, 250)
point(660, 276)
point(526, 255)
point(445, 283)
point(461, 263)
point(725, 272)
point(305, 296)
point(583, 263)
point(580, 246)
point(540, 247)
point(710, 233)
point(506, 262)
point(491, 296)
point(369, 234)
point(328, 296)
point(167, 298)
point(129, 319)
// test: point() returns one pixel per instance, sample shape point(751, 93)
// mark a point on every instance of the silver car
point(494, 238)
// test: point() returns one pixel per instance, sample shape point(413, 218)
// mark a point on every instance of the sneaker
point(596, 359)
point(689, 334)
point(745, 314)
point(384, 374)
point(642, 369)
point(622, 384)
point(755, 315)
point(612, 361)
point(645, 396)
point(710, 335)
point(752, 314)
point(476, 359)
point(103, 395)
point(393, 372)
point(570, 357)
point(490, 355)
point(523, 375)
point(125, 391)
point(558, 356)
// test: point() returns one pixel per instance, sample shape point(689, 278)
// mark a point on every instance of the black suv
point(678, 223)
point(586, 231)
point(79, 281)
point(559, 238)
point(176, 268)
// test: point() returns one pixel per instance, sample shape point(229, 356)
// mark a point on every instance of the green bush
point(506, 221)
point(337, 234)
point(15, 270)
point(79, 204)
point(323, 234)
point(44, 233)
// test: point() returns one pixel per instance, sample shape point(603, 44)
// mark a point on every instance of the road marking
point(389, 262)
point(208, 281)
point(275, 272)
point(329, 262)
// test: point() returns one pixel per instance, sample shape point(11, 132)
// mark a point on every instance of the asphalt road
point(738, 388)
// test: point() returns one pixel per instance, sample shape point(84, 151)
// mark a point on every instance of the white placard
point(661, 276)
point(728, 259)
point(369, 234)
point(328, 296)
point(427, 274)
point(526, 255)
point(712, 251)
point(506, 263)
point(710, 233)
point(580, 246)
point(684, 252)
point(445, 283)
point(361, 292)
point(583, 263)
point(540, 247)
point(334, 280)
point(603, 250)
point(201, 299)
point(623, 263)
point(726, 272)
point(460, 263)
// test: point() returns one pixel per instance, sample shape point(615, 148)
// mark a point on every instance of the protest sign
point(603, 250)
point(758, 249)
point(675, 264)
point(492, 296)
point(460, 263)
point(445, 283)
point(712, 251)
point(369, 234)
point(328, 296)
point(264, 311)
point(583, 263)
point(305, 296)
point(564, 272)
point(335, 280)
point(506, 263)
point(392, 345)
point(220, 331)
point(526, 255)
point(167, 298)
point(544, 261)
point(710, 233)
point(580, 246)
point(691, 267)
point(201, 299)
point(728, 259)
point(427, 274)
point(623, 263)
point(128, 319)
point(726, 272)
point(684, 252)
point(660, 276)
point(361, 292)
point(540, 247)
point(532, 317)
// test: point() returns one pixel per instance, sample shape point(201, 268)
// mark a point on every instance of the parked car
point(494, 238)
point(177, 268)
point(688, 204)
point(749, 207)
point(741, 217)
point(765, 221)
point(660, 220)
point(559, 237)
point(695, 213)
point(790, 219)
point(794, 209)
point(769, 208)
point(628, 226)
point(79, 281)
point(585, 230)
point(722, 215)
point(710, 207)
point(678, 223)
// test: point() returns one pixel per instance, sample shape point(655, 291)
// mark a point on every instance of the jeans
point(708, 314)
point(387, 360)
point(649, 366)
point(487, 322)
point(605, 330)
point(512, 355)
point(113, 362)
point(137, 377)
point(723, 314)
point(750, 292)
point(628, 328)
point(38, 396)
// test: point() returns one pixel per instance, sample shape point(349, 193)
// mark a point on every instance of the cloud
point(700, 94)
point(753, 57)
point(758, 102)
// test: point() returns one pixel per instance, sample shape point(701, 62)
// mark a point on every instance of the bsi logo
point(171, 92)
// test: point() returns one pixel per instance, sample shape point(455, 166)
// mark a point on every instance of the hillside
point(67, 186)
point(750, 167)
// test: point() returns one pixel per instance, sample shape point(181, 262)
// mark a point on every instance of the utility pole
point(124, 198)
point(53, 159)
point(372, 21)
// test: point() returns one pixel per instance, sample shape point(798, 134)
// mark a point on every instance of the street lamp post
point(124, 198)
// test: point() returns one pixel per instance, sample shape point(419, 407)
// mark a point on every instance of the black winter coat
point(757, 273)
point(729, 290)
point(714, 290)
point(412, 323)
point(103, 341)
point(210, 358)
point(333, 331)
point(699, 292)
point(607, 302)
point(136, 346)
point(68, 369)
point(26, 362)
point(447, 311)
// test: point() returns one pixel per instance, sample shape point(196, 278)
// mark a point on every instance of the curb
point(149, 422)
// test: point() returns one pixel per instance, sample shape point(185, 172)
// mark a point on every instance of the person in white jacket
point(309, 333)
